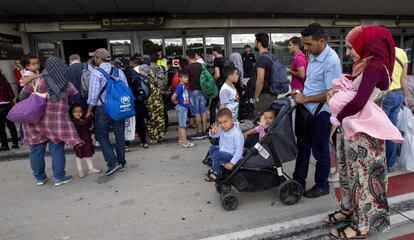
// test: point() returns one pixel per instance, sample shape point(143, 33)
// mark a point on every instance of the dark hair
point(136, 60)
point(182, 73)
point(73, 106)
point(190, 53)
point(229, 70)
point(153, 58)
point(247, 46)
point(224, 112)
point(217, 49)
point(25, 60)
point(315, 30)
point(263, 38)
point(296, 41)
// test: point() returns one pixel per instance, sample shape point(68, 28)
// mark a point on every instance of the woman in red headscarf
point(361, 161)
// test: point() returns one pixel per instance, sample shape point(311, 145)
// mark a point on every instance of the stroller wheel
point(290, 192)
point(222, 188)
point(229, 201)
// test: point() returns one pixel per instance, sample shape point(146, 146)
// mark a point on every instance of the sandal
point(331, 219)
point(340, 233)
point(211, 177)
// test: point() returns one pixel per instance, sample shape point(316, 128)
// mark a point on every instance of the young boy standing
point(229, 98)
point(230, 149)
point(180, 97)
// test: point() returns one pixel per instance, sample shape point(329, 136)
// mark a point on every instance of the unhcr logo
point(125, 104)
point(125, 100)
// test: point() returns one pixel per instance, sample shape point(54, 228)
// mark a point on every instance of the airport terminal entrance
point(82, 47)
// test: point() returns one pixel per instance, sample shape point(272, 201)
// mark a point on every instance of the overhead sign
point(10, 47)
point(132, 23)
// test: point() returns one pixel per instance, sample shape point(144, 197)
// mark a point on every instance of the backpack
point(119, 101)
point(160, 77)
point(279, 80)
point(85, 77)
point(207, 83)
point(141, 87)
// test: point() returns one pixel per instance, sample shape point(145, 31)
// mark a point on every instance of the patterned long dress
point(155, 106)
point(363, 177)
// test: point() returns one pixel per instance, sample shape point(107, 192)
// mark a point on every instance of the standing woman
point(6, 103)
point(55, 127)
point(155, 107)
point(361, 161)
point(237, 60)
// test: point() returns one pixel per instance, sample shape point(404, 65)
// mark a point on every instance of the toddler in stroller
point(230, 148)
point(260, 168)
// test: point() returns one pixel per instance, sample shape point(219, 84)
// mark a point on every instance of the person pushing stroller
point(230, 149)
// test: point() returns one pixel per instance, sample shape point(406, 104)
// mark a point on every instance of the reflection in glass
point(151, 46)
point(196, 44)
point(173, 47)
point(238, 41)
point(408, 48)
point(210, 43)
point(280, 41)
point(120, 47)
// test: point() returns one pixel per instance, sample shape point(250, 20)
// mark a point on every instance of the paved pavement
point(161, 195)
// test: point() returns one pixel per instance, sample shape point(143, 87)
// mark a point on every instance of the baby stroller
point(261, 166)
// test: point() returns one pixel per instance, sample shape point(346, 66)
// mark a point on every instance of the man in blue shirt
point(103, 122)
point(324, 66)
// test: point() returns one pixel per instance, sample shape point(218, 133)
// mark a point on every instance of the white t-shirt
point(230, 97)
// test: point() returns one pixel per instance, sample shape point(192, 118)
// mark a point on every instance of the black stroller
point(261, 167)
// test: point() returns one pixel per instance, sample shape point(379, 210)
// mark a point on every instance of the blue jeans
point(319, 145)
point(103, 123)
point(37, 159)
point(391, 106)
point(197, 102)
point(218, 158)
point(182, 115)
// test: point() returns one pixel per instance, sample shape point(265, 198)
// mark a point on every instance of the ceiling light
point(347, 22)
point(80, 26)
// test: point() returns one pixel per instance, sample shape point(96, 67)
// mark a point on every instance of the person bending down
point(230, 149)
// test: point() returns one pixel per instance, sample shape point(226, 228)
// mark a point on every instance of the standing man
point(197, 99)
point(249, 61)
point(103, 123)
point(262, 95)
point(324, 66)
point(397, 95)
point(74, 73)
point(161, 60)
point(218, 77)
point(299, 63)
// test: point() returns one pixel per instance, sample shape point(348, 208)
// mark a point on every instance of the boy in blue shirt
point(180, 97)
point(230, 149)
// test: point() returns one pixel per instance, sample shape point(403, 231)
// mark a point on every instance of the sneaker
point(316, 192)
point(121, 168)
point(333, 177)
point(41, 182)
point(97, 144)
point(198, 136)
point(188, 144)
point(64, 180)
point(112, 169)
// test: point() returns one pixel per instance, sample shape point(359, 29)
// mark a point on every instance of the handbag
point(304, 121)
point(31, 109)
point(130, 129)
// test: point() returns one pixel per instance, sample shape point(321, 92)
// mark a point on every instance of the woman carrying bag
point(55, 127)
point(6, 103)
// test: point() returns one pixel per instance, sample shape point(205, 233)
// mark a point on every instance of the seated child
point(230, 149)
point(255, 134)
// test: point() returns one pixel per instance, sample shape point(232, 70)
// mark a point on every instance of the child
point(85, 151)
point(31, 67)
point(229, 98)
point(255, 134)
point(230, 149)
point(180, 98)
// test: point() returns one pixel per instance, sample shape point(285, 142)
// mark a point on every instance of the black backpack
point(279, 82)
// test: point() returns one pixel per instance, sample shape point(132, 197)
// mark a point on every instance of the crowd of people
point(352, 136)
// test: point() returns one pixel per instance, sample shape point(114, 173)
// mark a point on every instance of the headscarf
point(56, 79)
point(236, 59)
point(6, 92)
point(375, 46)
